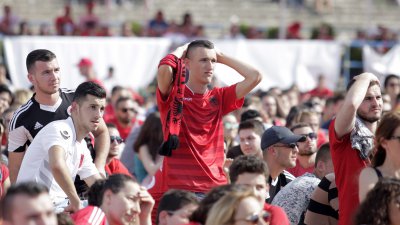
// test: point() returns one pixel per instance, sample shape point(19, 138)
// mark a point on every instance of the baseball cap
point(85, 62)
point(278, 134)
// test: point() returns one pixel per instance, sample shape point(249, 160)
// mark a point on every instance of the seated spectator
point(253, 172)
point(175, 207)
point(117, 200)
point(279, 146)
point(381, 205)
point(113, 165)
point(65, 24)
point(28, 203)
point(3, 77)
point(157, 26)
point(6, 98)
point(392, 87)
point(25, 28)
point(147, 160)
point(116, 93)
point(89, 22)
point(323, 208)
point(307, 150)
point(236, 206)
point(386, 160)
point(295, 197)
point(230, 130)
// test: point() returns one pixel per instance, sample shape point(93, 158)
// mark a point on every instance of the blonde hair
point(224, 210)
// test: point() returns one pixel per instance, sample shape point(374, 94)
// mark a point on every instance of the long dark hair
point(385, 131)
point(150, 134)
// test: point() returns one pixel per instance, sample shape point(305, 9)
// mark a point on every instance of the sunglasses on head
point(116, 138)
point(253, 219)
point(125, 110)
point(311, 135)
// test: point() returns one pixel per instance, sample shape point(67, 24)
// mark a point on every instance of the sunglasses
point(311, 135)
point(125, 110)
point(291, 145)
point(255, 218)
point(116, 138)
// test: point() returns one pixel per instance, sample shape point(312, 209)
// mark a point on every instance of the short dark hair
point(42, 55)
point(249, 114)
point(389, 77)
point(31, 189)
point(253, 124)
point(198, 44)
point(4, 88)
point(174, 199)
point(115, 183)
point(323, 154)
point(123, 99)
point(88, 88)
point(247, 164)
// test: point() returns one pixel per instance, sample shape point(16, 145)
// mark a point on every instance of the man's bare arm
point(102, 146)
point(346, 117)
point(252, 76)
point(62, 175)
point(14, 164)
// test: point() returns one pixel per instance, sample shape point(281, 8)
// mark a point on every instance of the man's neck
point(371, 126)
point(274, 169)
point(47, 99)
point(306, 161)
point(80, 132)
point(196, 88)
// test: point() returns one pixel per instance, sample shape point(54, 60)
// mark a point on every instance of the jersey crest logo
point(37, 126)
point(65, 134)
point(213, 100)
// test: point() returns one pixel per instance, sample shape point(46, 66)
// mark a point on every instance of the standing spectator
point(392, 88)
point(89, 22)
point(279, 146)
point(351, 137)
point(125, 116)
point(117, 200)
point(323, 208)
point(49, 103)
point(147, 160)
point(65, 24)
point(305, 161)
point(385, 162)
point(321, 91)
point(8, 22)
point(86, 69)
point(113, 165)
point(295, 196)
point(59, 152)
point(197, 164)
point(28, 203)
point(157, 26)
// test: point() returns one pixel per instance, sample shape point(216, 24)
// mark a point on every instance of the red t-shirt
point(4, 174)
point(123, 131)
point(347, 165)
point(90, 215)
point(197, 163)
point(298, 170)
point(278, 215)
point(109, 113)
point(116, 167)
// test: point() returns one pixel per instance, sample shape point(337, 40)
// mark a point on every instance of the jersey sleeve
point(230, 103)
point(17, 139)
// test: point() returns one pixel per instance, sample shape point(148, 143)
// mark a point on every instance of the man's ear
point(30, 77)
point(162, 218)
point(107, 197)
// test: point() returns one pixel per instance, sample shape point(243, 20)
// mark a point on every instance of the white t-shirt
point(35, 165)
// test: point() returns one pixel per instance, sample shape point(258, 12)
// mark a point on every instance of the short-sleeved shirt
point(295, 196)
point(197, 164)
point(31, 117)
point(323, 208)
point(347, 166)
point(116, 167)
point(90, 215)
point(36, 167)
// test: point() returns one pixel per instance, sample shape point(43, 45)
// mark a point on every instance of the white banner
point(381, 64)
point(135, 60)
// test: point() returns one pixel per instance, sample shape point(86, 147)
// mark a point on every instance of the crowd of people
point(91, 24)
point(197, 154)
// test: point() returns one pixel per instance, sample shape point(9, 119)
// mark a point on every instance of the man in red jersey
point(197, 164)
point(351, 137)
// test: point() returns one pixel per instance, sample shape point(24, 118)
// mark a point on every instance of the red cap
point(85, 62)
